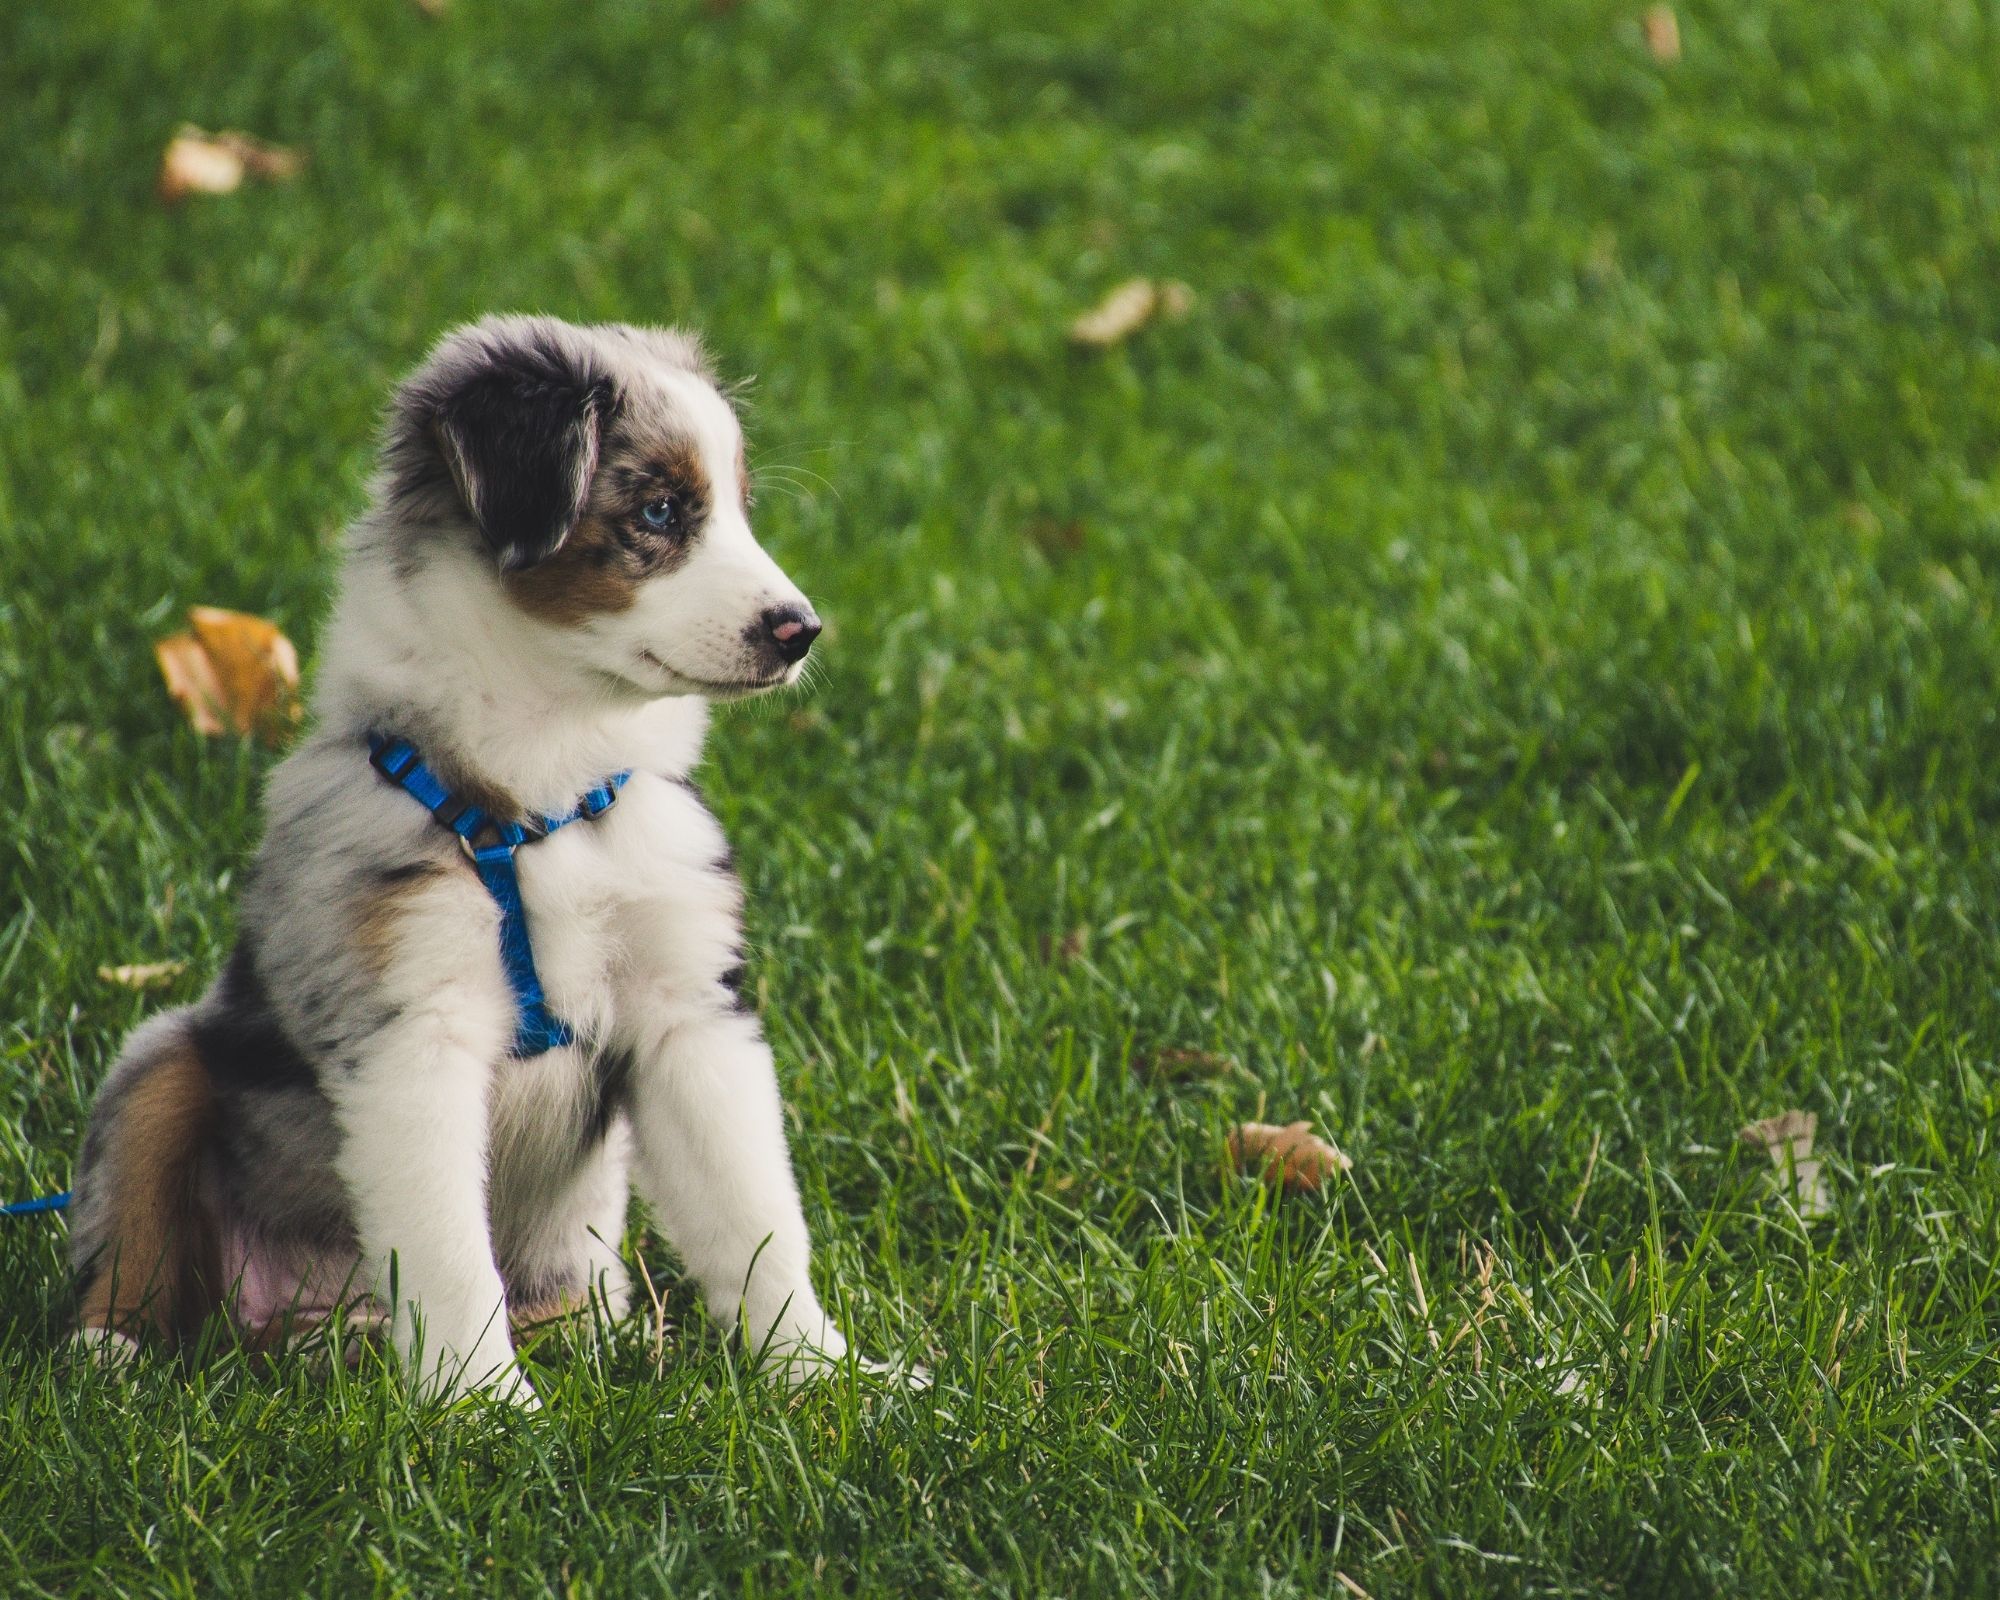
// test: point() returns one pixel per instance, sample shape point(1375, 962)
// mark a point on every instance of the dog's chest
point(626, 914)
point(633, 903)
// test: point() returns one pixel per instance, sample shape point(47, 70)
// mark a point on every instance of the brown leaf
point(1056, 537)
point(262, 159)
point(196, 162)
point(232, 671)
point(1663, 33)
point(1292, 1155)
point(1070, 947)
point(1128, 308)
point(143, 974)
point(1174, 1062)
point(1799, 1176)
point(433, 8)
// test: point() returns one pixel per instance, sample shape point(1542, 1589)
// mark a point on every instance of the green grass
point(1524, 687)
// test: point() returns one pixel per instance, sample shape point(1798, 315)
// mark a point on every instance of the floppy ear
point(521, 442)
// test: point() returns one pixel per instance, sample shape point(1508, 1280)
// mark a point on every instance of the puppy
point(380, 1105)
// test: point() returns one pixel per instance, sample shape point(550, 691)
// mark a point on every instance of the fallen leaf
point(1054, 536)
point(1292, 1155)
point(1128, 308)
point(197, 162)
point(1176, 300)
point(191, 681)
point(1175, 1062)
point(231, 671)
point(143, 974)
point(1663, 33)
point(1799, 1177)
point(433, 8)
point(1068, 948)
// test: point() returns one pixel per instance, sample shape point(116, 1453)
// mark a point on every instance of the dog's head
point(599, 473)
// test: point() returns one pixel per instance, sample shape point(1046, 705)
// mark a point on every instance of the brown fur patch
point(529, 1315)
point(160, 1262)
point(611, 552)
point(589, 576)
point(379, 922)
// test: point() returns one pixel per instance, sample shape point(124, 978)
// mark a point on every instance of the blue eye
point(661, 514)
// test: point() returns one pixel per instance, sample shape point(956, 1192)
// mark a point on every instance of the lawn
point(1511, 677)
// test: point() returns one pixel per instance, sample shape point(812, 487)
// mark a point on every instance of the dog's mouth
point(717, 688)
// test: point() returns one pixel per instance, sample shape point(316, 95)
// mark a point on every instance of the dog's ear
point(520, 435)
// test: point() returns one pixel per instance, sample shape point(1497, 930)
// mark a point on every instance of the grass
point(1515, 671)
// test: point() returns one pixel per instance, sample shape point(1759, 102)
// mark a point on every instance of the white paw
point(506, 1385)
point(800, 1357)
point(105, 1348)
point(897, 1374)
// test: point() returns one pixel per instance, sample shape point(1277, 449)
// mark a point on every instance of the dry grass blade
point(1292, 1155)
point(142, 974)
point(232, 671)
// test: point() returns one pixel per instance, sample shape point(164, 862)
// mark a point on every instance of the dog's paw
point(508, 1386)
point(105, 1348)
point(911, 1375)
point(799, 1363)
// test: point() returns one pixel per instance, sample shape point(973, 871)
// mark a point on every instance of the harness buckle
point(391, 757)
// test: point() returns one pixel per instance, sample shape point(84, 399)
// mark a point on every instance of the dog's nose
point(792, 630)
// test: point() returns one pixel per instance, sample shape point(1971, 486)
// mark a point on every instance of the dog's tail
point(144, 1238)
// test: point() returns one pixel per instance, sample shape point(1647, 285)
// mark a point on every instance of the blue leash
point(28, 1208)
point(536, 1028)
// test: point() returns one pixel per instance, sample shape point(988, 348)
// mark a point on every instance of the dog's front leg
point(713, 1166)
point(413, 1119)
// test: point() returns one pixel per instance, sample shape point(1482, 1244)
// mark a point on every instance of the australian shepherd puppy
point(554, 575)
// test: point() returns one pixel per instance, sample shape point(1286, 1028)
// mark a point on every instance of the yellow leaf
point(1292, 1155)
point(1128, 308)
point(232, 671)
point(196, 162)
point(143, 974)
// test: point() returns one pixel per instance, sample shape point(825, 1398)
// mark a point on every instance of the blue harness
point(536, 1029)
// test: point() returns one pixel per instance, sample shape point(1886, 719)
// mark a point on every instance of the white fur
point(445, 1139)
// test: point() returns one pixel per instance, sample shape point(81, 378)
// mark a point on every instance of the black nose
point(791, 630)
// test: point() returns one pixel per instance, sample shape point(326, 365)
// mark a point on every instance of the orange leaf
point(233, 671)
point(191, 681)
point(1292, 1155)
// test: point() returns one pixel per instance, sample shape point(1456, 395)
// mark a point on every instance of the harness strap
point(536, 1028)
